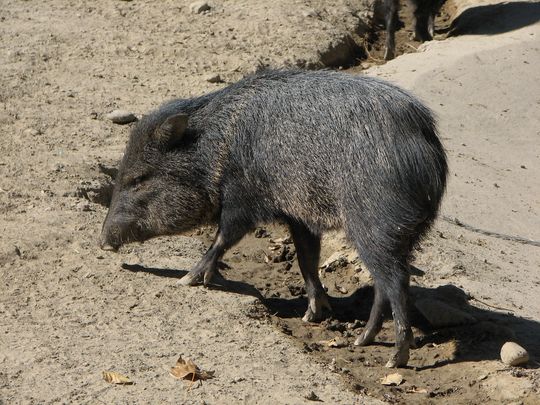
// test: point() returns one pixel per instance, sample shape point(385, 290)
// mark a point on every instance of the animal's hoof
point(189, 280)
point(364, 339)
point(310, 316)
point(213, 277)
point(321, 314)
point(398, 360)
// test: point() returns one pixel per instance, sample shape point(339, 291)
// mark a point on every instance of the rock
point(282, 254)
point(83, 206)
point(214, 79)
point(340, 289)
point(513, 354)
point(121, 117)
point(261, 233)
point(32, 132)
point(313, 397)
point(199, 7)
point(440, 314)
point(334, 262)
point(310, 13)
point(356, 324)
point(282, 241)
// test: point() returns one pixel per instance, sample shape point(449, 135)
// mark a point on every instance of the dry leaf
point(392, 379)
point(335, 342)
point(187, 370)
point(116, 378)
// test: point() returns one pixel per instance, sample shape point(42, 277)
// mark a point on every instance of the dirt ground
point(69, 311)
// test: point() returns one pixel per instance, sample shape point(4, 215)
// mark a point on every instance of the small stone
point(334, 262)
point(83, 206)
point(513, 354)
point(340, 289)
point(313, 397)
point(199, 7)
point(214, 78)
point(261, 233)
point(355, 325)
point(32, 132)
point(310, 13)
point(121, 117)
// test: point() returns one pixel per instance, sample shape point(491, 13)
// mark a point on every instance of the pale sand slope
point(485, 90)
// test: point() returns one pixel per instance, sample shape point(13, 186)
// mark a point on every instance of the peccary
point(424, 19)
point(316, 150)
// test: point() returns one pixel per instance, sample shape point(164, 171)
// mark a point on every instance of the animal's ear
point(172, 130)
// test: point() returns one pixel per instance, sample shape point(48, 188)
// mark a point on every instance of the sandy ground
point(69, 311)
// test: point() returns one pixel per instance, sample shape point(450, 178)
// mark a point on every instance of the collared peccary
point(316, 150)
point(424, 19)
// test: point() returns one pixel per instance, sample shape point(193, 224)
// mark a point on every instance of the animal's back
point(323, 143)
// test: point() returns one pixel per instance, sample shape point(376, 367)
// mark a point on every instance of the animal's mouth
point(113, 244)
point(108, 247)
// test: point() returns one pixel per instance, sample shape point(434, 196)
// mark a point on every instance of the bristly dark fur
point(317, 150)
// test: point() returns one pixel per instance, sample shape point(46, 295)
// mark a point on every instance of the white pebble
point(513, 354)
point(121, 117)
point(199, 7)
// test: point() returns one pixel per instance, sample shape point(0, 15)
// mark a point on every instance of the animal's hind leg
point(397, 291)
point(387, 263)
point(374, 324)
point(391, 19)
point(308, 246)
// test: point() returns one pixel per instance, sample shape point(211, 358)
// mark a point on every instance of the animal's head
point(160, 186)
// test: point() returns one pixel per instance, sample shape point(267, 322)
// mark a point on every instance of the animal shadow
point(477, 328)
point(495, 18)
point(485, 328)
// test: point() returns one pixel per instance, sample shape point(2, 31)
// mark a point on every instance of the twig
point(413, 47)
point(491, 306)
point(519, 239)
point(372, 57)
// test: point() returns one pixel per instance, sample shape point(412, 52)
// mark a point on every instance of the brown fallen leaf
point(187, 370)
point(392, 379)
point(116, 378)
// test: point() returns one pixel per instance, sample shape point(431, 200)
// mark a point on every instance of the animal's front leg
point(230, 231)
point(206, 268)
